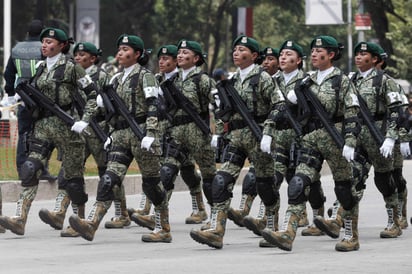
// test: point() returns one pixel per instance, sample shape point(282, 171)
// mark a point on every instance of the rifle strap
point(336, 86)
point(134, 81)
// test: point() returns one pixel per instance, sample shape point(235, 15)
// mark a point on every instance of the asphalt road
point(42, 250)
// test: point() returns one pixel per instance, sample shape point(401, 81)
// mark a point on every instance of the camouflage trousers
point(70, 144)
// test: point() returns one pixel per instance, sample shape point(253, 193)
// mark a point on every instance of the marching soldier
point(318, 144)
point(58, 78)
point(257, 90)
point(138, 88)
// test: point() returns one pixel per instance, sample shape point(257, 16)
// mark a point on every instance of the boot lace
point(158, 224)
point(59, 200)
point(285, 222)
point(348, 230)
point(194, 205)
point(390, 218)
point(142, 202)
point(261, 212)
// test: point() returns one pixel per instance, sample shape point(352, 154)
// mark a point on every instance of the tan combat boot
point(87, 228)
point(313, 230)
point(213, 236)
point(392, 230)
point(69, 231)
point(237, 215)
point(272, 219)
point(161, 232)
point(199, 212)
point(256, 225)
point(17, 223)
point(350, 241)
point(333, 225)
point(144, 206)
point(121, 218)
point(286, 235)
point(56, 217)
point(303, 220)
point(403, 201)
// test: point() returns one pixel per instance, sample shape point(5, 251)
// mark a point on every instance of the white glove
point(292, 97)
point(214, 142)
point(265, 144)
point(108, 143)
point(99, 101)
point(79, 126)
point(147, 142)
point(16, 97)
point(405, 149)
point(348, 152)
point(11, 100)
point(387, 147)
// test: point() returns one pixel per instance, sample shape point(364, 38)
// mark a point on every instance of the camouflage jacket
point(62, 81)
point(140, 87)
point(381, 101)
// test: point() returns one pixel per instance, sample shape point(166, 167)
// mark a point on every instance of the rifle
point(34, 98)
point(121, 109)
point(225, 87)
point(320, 111)
point(80, 103)
point(369, 121)
point(293, 123)
point(181, 101)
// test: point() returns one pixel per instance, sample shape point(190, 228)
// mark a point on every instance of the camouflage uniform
point(59, 83)
point(138, 90)
point(186, 140)
point(318, 145)
point(388, 102)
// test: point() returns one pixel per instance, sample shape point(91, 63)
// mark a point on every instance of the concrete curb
point(133, 185)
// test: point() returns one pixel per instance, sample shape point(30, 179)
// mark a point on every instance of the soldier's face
point(364, 60)
point(84, 59)
point(321, 58)
point(51, 47)
point(186, 58)
point(243, 56)
point(167, 63)
point(270, 64)
point(289, 60)
point(127, 56)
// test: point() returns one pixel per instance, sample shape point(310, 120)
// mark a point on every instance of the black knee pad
point(385, 184)
point(105, 187)
point(343, 191)
point(316, 197)
point(168, 175)
point(75, 189)
point(296, 189)
point(190, 176)
point(268, 192)
point(222, 186)
point(398, 179)
point(207, 189)
point(153, 189)
point(249, 183)
point(101, 171)
point(29, 170)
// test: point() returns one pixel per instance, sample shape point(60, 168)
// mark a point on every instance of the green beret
point(132, 41)
point(270, 51)
point(87, 47)
point(243, 40)
point(170, 50)
point(372, 48)
point(324, 41)
point(288, 44)
point(54, 33)
point(195, 47)
point(382, 53)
